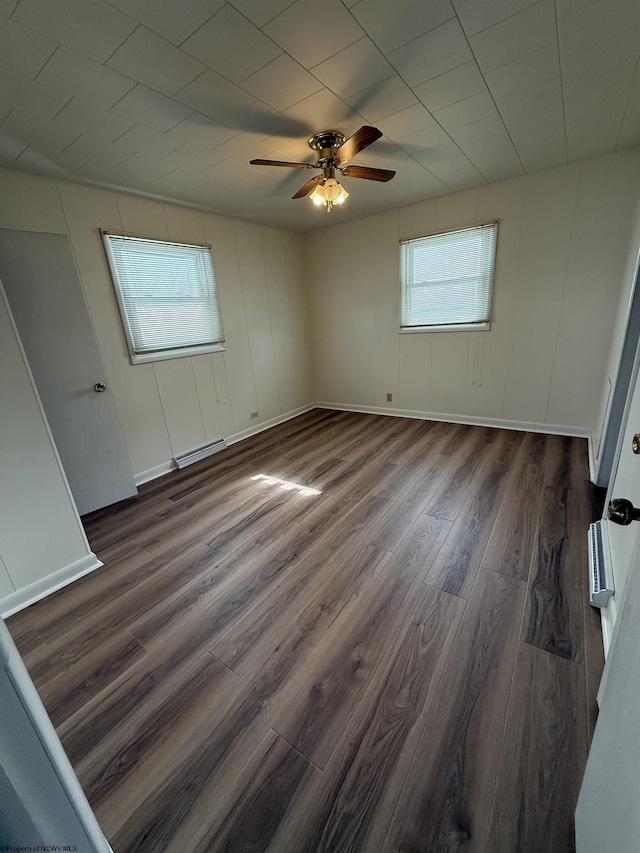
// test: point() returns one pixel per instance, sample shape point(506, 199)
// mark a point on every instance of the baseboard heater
point(199, 453)
point(600, 575)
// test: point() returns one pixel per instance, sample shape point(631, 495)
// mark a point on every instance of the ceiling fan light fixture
point(332, 150)
point(331, 190)
point(328, 193)
point(344, 195)
point(317, 196)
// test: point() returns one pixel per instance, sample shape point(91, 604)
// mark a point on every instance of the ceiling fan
point(332, 150)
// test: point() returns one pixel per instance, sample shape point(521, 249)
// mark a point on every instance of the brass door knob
point(635, 443)
point(99, 387)
point(622, 511)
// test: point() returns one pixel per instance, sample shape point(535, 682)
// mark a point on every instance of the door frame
point(608, 452)
point(609, 614)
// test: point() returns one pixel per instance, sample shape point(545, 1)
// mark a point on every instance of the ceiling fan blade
point(282, 163)
point(356, 143)
point(306, 189)
point(368, 173)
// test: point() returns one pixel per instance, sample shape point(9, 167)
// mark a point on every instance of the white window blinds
point(447, 279)
point(167, 296)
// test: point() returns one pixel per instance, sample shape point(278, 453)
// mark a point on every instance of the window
point(167, 297)
point(447, 280)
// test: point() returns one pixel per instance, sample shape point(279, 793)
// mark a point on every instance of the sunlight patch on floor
point(287, 485)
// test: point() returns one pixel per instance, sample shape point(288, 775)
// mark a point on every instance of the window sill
point(460, 327)
point(145, 358)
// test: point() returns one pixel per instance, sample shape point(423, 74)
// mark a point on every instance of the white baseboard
point(261, 427)
point(22, 598)
point(154, 473)
point(593, 467)
point(497, 423)
point(166, 467)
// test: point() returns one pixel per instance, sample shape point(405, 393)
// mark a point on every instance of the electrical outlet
point(254, 415)
point(389, 397)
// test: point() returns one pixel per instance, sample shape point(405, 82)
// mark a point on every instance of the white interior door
point(42, 285)
point(625, 483)
point(608, 813)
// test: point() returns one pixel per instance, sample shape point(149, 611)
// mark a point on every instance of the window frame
point(169, 353)
point(479, 326)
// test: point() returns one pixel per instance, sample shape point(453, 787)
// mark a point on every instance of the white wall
point(169, 407)
point(563, 247)
point(40, 532)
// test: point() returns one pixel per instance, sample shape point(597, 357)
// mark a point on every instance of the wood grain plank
point(469, 453)
point(166, 696)
point(354, 798)
point(317, 716)
point(256, 802)
point(449, 787)
point(318, 586)
point(183, 797)
point(202, 616)
point(543, 756)
point(512, 540)
point(76, 685)
point(87, 633)
point(408, 507)
point(511, 544)
point(456, 566)
point(554, 617)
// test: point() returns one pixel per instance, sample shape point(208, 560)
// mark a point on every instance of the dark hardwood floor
point(348, 633)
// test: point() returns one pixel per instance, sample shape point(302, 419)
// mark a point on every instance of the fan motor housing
point(325, 143)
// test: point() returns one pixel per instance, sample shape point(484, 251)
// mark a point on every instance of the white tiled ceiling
point(174, 97)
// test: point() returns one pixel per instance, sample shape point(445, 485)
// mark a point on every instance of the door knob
point(99, 387)
point(622, 511)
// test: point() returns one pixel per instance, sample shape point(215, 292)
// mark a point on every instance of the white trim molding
point(154, 473)
point(261, 427)
point(497, 423)
point(166, 467)
point(39, 589)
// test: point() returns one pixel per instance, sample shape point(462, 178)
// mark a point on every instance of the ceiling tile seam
point(133, 127)
point(266, 23)
point(564, 112)
point(326, 86)
point(399, 75)
point(412, 88)
point(135, 30)
point(501, 21)
point(134, 83)
point(284, 51)
point(15, 159)
point(129, 92)
point(348, 106)
point(215, 14)
point(520, 56)
point(626, 106)
point(415, 38)
point(171, 97)
point(48, 60)
point(197, 29)
point(204, 115)
point(131, 18)
point(506, 129)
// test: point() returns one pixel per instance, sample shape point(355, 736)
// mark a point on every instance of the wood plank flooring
point(348, 633)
